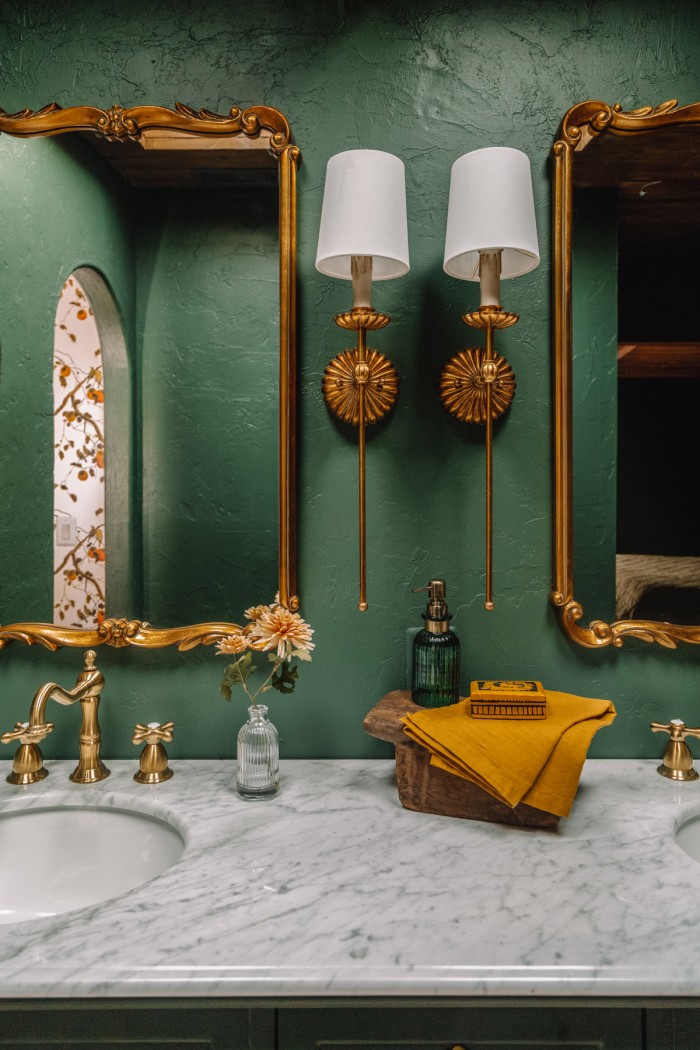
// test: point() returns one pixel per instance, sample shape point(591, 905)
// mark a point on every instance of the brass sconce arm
point(477, 387)
point(491, 235)
point(360, 386)
point(363, 237)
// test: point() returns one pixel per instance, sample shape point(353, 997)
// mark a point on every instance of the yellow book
point(512, 699)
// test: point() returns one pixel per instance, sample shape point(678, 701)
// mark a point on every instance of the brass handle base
point(677, 762)
point(677, 774)
point(153, 778)
point(27, 766)
point(153, 761)
point(28, 761)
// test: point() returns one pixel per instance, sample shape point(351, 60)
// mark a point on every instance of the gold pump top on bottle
point(437, 616)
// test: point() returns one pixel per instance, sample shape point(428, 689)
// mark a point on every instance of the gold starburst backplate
point(345, 375)
point(463, 386)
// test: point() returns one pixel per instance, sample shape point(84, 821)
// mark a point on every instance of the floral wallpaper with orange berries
point(79, 459)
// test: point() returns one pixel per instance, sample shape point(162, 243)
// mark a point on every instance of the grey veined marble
point(333, 889)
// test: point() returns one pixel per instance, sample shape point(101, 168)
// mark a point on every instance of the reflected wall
point(208, 318)
point(57, 198)
point(191, 528)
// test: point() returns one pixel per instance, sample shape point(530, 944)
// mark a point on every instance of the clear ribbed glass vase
point(258, 774)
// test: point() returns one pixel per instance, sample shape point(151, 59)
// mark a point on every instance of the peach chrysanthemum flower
point(280, 629)
point(233, 645)
point(256, 611)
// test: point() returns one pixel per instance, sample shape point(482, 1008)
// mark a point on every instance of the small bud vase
point(258, 773)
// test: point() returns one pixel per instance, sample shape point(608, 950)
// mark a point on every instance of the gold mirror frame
point(118, 124)
point(581, 124)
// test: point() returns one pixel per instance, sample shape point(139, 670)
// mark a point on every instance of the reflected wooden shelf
point(658, 360)
point(152, 146)
point(165, 157)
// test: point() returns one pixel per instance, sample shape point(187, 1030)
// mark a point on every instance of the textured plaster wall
point(428, 82)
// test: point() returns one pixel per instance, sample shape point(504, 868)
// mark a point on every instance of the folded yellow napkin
point(538, 763)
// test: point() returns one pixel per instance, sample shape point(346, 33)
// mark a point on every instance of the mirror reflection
point(625, 369)
point(147, 341)
point(636, 224)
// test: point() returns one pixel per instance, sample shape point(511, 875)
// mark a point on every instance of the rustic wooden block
point(426, 788)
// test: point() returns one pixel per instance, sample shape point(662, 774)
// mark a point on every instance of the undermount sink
point(688, 837)
point(61, 858)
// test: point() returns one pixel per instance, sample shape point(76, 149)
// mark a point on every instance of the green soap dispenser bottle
point(435, 653)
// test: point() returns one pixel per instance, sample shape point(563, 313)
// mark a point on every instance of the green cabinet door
point(669, 1029)
point(444, 1028)
point(134, 1025)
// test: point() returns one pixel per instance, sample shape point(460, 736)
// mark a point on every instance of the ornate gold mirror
point(170, 187)
point(626, 373)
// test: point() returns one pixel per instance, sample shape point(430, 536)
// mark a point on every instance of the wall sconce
point(363, 237)
point(491, 235)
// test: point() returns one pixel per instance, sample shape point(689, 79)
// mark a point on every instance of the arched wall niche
point(93, 455)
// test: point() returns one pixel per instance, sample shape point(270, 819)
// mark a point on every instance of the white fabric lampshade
point(491, 207)
point(364, 213)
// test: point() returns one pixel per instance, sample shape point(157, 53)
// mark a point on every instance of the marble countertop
point(333, 889)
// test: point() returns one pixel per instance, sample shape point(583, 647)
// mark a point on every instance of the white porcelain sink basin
point(688, 837)
point(58, 859)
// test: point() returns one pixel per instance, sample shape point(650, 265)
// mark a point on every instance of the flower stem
point(261, 687)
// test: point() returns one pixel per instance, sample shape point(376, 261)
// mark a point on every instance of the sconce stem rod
point(488, 603)
point(360, 372)
point(360, 387)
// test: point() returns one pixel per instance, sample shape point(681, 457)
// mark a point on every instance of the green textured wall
point(427, 82)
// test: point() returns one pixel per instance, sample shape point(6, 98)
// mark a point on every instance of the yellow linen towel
point(538, 763)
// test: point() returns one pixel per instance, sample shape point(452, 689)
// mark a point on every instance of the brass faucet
point(28, 763)
point(677, 761)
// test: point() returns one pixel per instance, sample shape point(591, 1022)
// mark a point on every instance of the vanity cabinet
point(672, 1029)
point(130, 1025)
point(203, 1024)
point(471, 1028)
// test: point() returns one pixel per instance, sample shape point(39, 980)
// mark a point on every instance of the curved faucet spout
point(88, 686)
point(87, 689)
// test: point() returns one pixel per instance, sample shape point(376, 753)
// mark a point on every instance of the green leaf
point(237, 673)
point(284, 680)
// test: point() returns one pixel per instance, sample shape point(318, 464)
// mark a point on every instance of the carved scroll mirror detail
point(152, 146)
point(645, 166)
